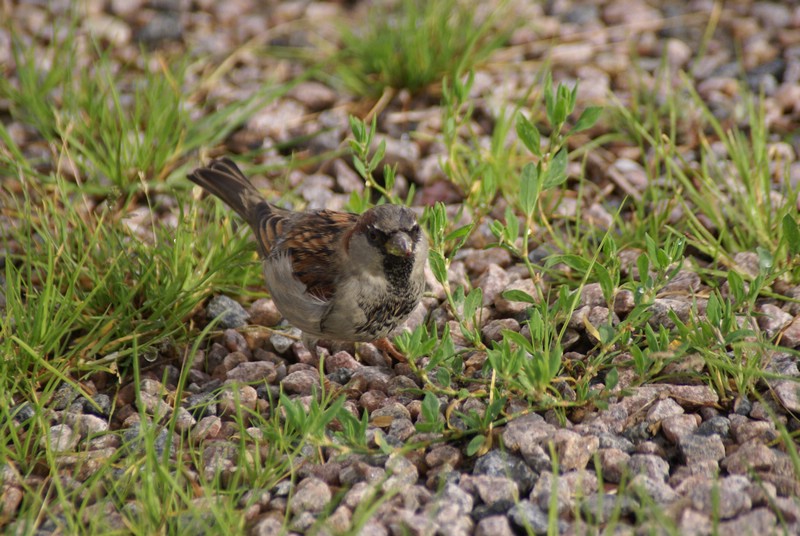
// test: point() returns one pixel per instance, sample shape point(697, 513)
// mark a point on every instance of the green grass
point(94, 291)
point(414, 44)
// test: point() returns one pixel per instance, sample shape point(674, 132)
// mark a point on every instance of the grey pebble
point(231, 314)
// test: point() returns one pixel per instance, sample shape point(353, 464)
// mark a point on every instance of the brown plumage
point(333, 275)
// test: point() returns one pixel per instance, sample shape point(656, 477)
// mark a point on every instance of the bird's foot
point(389, 349)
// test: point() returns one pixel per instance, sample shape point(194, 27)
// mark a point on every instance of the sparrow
point(333, 275)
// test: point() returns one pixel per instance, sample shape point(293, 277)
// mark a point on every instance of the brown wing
point(313, 240)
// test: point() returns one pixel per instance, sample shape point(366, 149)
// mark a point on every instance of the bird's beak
point(400, 245)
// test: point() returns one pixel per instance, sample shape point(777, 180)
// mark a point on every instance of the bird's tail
point(224, 179)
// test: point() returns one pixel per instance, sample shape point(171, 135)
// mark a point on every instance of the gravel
point(676, 443)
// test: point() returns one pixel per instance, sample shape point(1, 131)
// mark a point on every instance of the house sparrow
point(333, 275)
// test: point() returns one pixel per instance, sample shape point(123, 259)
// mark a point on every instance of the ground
point(607, 342)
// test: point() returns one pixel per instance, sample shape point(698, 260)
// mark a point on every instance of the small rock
point(574, 451)
point(678, 426)
point(745, 429)
point(773, 319)
point(691, 396)
point(10, 499)
point(601, 507)
point(788, 392)
point(542, 494)
point(726, 497)
point(662, 409)
point(252, 372)
point(207, 427)
point(281, 342)
point(791, 335)
point(654, 489)
point(312, 495)
point(661, 309)
point(696, 448)
point(60, 438)
point(302, 382)
point(652, 466)
point(526, 431)
point(314, 95)
point(231, 314)
point(497, 463)
point(614, 464)
point(443, 454)
point(527, 516)
point(231, 400)
point(403, 153)
point(572, 54)
point(494, 526)
point(592, 294)
point(499, 493)
point(91, 425)
point(218, 459)
point(678, 53)
point(493, 330)
point(692, 522)
point(264, 313)
point(478, 261)
point(235, 342)
point(624, 302)
point(759, 521)
point(752, 455)
point(492, 282)
point(184, 421)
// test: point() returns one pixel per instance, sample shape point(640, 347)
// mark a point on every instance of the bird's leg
point(311, 345)
point(389, 349)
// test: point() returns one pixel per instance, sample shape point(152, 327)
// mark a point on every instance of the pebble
point(230, 312)
point(574, 451)
point(60, 438)
point(264, 313)
point(312, 495)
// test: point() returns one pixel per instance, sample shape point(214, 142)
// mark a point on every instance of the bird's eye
point(373, 234)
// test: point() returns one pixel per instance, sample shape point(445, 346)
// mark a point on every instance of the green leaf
point(612, 378)
point(358, 128)
point(576, 262)
point(736, 287)
point(360, 167)
point(380, 152)
point(573, 97)
point(765, 260)
point(475, 444)
point(530, 187)
point(549, 101)
point(438, 265)
point(607, 333)
point(560, 110)
point(557, 170)
point(512, 226)
point(643, 265)
point(459, 233)
point(791, 232)
point(604, 278)
point(498, 229)
point(518, 339)
point(430, 407)
point(518, 296)
point(443, 377)
point(472, 302)
point(529, 135)
point(588, 118)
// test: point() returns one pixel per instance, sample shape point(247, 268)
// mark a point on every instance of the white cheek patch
point(301, 309)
